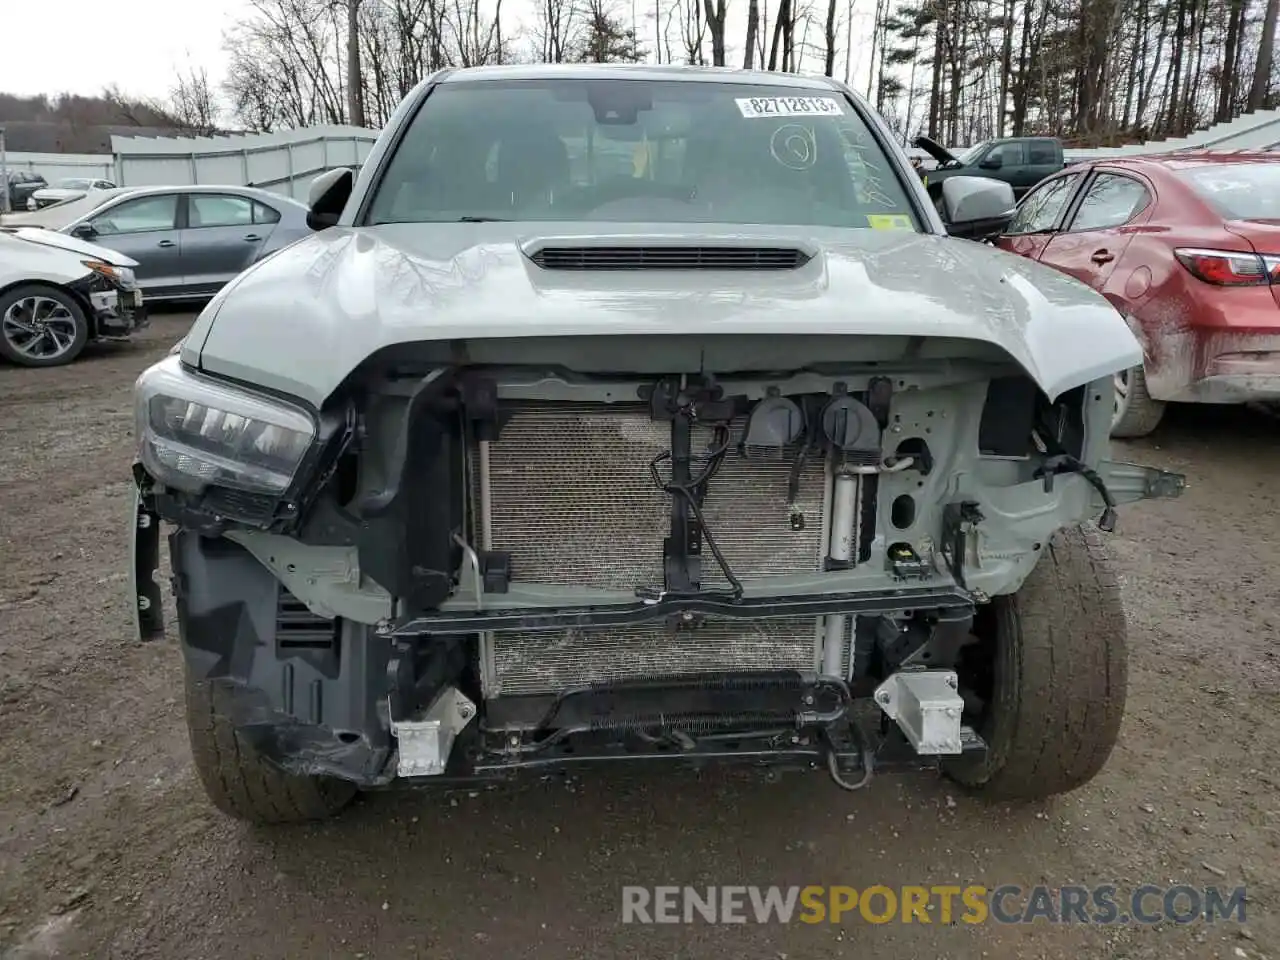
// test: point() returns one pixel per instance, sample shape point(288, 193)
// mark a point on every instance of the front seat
point(532, 168)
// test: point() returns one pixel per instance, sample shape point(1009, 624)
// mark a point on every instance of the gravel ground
point(108, 849)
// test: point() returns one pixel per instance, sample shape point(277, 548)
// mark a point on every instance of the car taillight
point(1230, 268)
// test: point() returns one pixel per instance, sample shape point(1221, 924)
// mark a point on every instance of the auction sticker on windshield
point(752, 107)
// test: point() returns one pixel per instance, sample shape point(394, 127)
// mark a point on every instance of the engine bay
point(531, 567)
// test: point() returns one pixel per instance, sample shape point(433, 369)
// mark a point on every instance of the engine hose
point(868, 760)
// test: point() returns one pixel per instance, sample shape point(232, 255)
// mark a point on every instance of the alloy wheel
point(1122, 382)
point(39, 327)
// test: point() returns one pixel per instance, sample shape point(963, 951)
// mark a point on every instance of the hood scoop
point(667, 257)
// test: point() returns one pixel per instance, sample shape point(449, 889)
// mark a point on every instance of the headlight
point(193, 432)
point(120, 275)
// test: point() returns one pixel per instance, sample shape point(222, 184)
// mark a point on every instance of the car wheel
point(41, 326)
point(1045, 684)
point(1135, 414)
point(239, 781)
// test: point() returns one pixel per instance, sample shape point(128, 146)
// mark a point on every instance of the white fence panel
point(284, 162)
point(1249, 131)
point(58, 166)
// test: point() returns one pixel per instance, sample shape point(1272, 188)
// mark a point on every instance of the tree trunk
point(753, 24)
point(1006, 66)
point(1227, 81)
point(1022, 89)
point(935, 84)
point(877, 25)
point(355, 82)
point(1266, 46)
point(830, 67)
point(1170, 124)
point(716, 11)
point(784, 11)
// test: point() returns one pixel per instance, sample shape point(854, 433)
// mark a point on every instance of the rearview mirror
point(328, 196)
point(84, 231)
point(975, 207)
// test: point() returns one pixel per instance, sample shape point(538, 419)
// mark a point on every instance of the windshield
point(73, 184)
point(973, 153)
point(1238, 191)
point(640, 151)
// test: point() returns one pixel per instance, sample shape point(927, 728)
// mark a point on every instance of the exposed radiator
point(573, 501)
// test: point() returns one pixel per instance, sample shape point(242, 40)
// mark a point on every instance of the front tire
point(41, 326)
point(1055, 693)
point(1136, 414)
point(241, 783)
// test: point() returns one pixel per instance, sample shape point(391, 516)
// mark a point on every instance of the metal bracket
point(1130, 482)
point(926, 707)
point(144, 561)
point(424, 745)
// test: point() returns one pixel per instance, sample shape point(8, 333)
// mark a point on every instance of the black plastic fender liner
point(292, 705)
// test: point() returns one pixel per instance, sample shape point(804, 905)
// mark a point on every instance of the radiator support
point(571, 493)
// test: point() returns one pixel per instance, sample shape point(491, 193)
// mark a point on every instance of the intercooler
point(573, 500)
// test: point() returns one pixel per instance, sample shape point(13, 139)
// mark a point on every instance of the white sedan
point(61, 292)
point(72, 188)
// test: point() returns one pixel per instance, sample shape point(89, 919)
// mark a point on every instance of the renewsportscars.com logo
point(942, 904)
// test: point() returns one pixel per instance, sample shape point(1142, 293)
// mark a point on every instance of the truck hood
point(936, 150)
point(300, 320)
point(62, 241)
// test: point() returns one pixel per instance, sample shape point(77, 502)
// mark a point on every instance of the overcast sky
point(140, 45)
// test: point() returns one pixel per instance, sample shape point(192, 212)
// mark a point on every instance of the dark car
point(1021, 162)
point(21, 185)
point(1187, 247)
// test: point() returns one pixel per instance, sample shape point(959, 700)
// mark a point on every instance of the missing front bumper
point(948, 600)
point(118, 313)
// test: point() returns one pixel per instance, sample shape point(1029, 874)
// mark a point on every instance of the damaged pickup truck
point(625, 414)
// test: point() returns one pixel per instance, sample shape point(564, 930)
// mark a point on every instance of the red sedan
point(1187, 247)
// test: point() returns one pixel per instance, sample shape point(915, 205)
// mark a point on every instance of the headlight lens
point(193, 432)
point(120, 275)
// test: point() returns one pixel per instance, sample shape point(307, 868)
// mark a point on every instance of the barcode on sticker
point(752, 107)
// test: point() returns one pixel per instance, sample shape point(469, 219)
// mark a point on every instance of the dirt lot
point(108, 849)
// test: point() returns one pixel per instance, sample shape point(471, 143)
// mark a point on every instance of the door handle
point(166, 243)
point(1102, 256)
point(252, 237)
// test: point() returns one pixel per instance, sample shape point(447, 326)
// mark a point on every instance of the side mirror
point(975, 207)
point(992, 162)
point(84, 231)
point(328, 196)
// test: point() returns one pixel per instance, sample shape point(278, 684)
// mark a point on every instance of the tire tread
point(241, 783)
point(1062, 649)
point(1143, 414)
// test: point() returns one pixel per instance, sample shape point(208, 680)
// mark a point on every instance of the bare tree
point(558, 23)
point(605, 38)
point(292, 63)
point(693, 31)
point(192, 103)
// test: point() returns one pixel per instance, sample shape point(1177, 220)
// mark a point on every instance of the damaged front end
point(481, 558)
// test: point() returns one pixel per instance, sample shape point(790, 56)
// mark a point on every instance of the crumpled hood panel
point(301, 320)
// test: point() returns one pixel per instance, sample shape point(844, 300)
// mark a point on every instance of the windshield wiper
point(483, 220)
